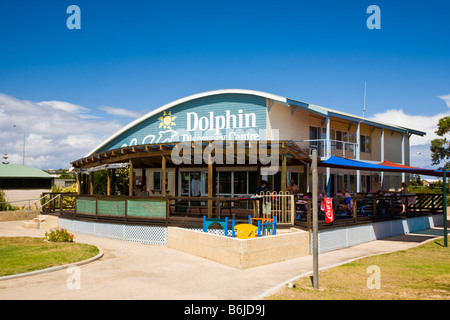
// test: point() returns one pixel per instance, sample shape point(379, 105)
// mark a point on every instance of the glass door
point(194, 184)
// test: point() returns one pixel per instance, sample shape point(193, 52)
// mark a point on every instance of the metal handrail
point(29, 204)
point(37, 219)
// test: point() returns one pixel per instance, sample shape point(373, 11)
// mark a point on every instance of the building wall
point(290, 127)
point(296, 126)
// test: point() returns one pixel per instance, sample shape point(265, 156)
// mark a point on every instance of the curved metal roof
point(182, 100)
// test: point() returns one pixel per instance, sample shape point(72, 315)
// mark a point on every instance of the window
point(237, 182)
point(252, 182)
point(352, 142)
point(240, 182)
point(224, 182)
point(198, 183)
point(336, 136)
point(316, 134)
point(157, 180)
point(365, 143)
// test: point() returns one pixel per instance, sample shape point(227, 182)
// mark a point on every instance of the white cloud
point(65, 106)
point(427, 124)
point(446, 98)
point(120, 112)
point(420, 154)
point(56, 132)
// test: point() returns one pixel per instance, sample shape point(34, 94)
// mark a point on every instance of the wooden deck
point(188, 212)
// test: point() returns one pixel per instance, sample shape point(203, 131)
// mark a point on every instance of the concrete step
point(45, 222)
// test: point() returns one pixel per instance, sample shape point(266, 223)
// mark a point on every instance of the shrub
point(67, 202)
point(59, 235)
point(4, 206)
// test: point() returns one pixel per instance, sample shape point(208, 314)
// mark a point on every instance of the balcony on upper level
point(339, 148)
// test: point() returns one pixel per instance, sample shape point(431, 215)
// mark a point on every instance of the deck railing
point(286, 207)
point(370, 208)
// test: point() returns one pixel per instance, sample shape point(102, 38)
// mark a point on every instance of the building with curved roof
point(244, 116)
point(204, 157)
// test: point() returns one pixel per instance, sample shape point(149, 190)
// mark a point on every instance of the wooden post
point(355, 210)
point(130, 179)
point(374, 205)
point(292, 209)
point(91, 183)
point(210, 186)
point(163, 169)
point(78, 183)
point(283, 173)
point(305, 178)
point(113, 181)
point(108, 182)
point(391, 205)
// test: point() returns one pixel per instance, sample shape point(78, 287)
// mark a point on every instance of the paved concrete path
point(139, 271)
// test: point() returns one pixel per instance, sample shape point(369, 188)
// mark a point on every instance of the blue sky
point(139, 55)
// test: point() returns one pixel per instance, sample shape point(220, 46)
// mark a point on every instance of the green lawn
point(420, 273)
point(25, 254)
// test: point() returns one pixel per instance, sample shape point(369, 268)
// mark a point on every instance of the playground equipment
point(265, 227)
point(209, 221)
point(245, 231)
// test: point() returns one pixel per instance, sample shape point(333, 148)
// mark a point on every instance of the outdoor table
point(301, 207)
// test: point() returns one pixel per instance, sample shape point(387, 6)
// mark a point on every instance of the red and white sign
point(329, 215)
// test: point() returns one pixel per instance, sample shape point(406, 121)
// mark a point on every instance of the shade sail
point(386, 166)
point(396, 165)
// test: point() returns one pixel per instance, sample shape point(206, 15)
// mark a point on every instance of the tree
point(5, 157)
point(440, 148)
point(415, 180)
point(65, 174)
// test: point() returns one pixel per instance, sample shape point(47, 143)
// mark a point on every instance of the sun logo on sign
point(167, 120)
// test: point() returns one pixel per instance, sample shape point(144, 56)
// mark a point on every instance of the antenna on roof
point(365, 86)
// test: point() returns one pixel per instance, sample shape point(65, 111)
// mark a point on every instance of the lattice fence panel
point(156, 235)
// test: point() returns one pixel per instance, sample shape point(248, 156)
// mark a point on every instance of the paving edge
point(56, 268)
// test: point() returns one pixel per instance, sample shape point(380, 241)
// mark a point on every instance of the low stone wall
point(17, 215)
point(240, 253)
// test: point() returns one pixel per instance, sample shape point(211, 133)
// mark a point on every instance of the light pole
point(420, 154)
point(23, 152)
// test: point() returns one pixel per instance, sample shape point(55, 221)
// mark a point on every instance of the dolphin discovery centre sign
point(228, 126)
point(218, 117)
